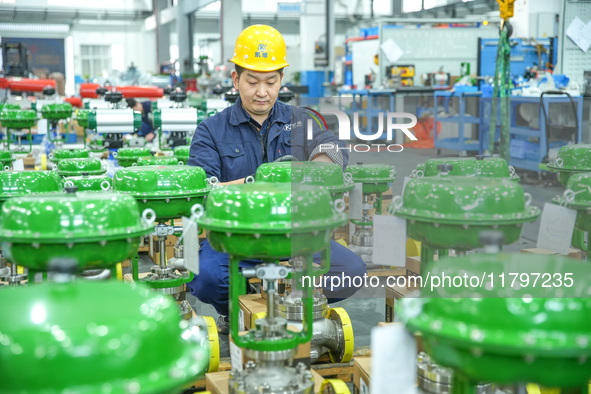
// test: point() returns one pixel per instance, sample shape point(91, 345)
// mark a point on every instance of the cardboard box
point(392, 294)
point(217, 382)
point(572, 253)
point(252, 307)
point(361, 375)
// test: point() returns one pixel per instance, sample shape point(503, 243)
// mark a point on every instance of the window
point(96, 59)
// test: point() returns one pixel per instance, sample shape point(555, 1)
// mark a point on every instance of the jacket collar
point(280, 112)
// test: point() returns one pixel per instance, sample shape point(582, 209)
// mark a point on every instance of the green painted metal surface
point(502, 333)
point(22, 183)
point(94, 337)
point(129, 156)
point(95, 229)
point(171, 191)
point(82, 117)
point(375, 178)
point(450, 211)
point(93, 183)
point(270, 220)
point(74, 167)
point(571, 159)
point(578, 196)
point(182, 153)
point(158, 161)
point(327, 175)
point(60, 154)
point(493, 167)
point(18, 119)
point(6, 158)
point(57, 111)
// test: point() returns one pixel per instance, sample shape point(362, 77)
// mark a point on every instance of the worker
point(147, 129)
point(256, 129)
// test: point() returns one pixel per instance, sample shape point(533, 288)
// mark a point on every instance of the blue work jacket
point(229, 146)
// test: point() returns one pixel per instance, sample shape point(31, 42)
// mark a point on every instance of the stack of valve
point(445, 211)
point(333, 332)
point(18, 123)
point(47, 324)
point(573, 169)
point(271, 222)
point(55, 113)
point(375, 180)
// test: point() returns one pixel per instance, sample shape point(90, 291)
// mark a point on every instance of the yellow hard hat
point(260, 48)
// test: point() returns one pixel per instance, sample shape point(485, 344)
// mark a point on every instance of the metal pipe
point(162, 248)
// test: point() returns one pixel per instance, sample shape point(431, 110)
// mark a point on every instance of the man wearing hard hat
point(258, 129)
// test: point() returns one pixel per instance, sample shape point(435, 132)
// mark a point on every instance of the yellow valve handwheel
point(214, 344)
point(119, 272)
point(44, 162)
point(413, 248)
point(334, 386)
point(341, 316)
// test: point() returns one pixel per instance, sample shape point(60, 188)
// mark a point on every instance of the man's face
point(258, 90)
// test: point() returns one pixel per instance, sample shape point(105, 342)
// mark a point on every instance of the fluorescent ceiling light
point(35, 27)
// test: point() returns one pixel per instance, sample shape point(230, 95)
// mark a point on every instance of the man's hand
point(236, 182)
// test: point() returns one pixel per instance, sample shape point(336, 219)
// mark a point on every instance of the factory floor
point(367, 307)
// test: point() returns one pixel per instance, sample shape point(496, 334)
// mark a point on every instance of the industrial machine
point(15, 57)
point(333, 332)
point(127, 157)
point(158, 161)
point(87, 182)
point(22, 183)
point(574, 161)
point(63, 234)
point(174, 124)
point(77, 167)
point(375, 180)
point(170, 192)
point(479, 165)
point(69, 153)
point(276, 220)
point(464, 328)
point(182, 153)
point(111, 124)
point(449, 211)
point(18, 124)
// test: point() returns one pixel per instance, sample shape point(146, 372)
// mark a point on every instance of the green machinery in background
point(77, 167)
point(6, 160)
point(574, 161)
point(88, 336)
point(18, 123)
point(270, 222)
point(158, 161)
point(17, 184)
point(448, 212)
point(182, 153)
point(55, 113)
point(375, 180)
point(109, 125)
point(503, 333)
point(332, 332)
point(127, 157)
point(81, 117)
point(490, 167)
